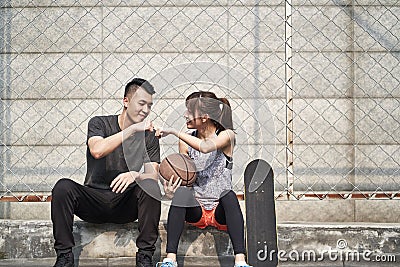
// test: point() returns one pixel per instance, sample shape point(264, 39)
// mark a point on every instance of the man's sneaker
point(65, 260)
point(167, 263)
point(143, 260)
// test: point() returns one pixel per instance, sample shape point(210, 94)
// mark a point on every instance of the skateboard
point(261, 231)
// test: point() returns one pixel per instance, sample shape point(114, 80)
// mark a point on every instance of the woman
point(211, 201)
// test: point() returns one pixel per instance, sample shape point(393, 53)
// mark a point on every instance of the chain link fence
point(314, 85)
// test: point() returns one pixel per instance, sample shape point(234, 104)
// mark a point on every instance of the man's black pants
point(104, 206)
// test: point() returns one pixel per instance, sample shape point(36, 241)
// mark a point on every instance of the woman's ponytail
point(225, 119)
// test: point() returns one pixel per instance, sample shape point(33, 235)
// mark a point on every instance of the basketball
point(179, 165)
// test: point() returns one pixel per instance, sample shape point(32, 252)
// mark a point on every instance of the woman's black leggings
point(227, 212)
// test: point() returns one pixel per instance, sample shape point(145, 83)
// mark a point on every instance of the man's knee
point(150, 189)
point(62, 187)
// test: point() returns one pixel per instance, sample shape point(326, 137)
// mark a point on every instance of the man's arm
point(152, 157)
point(100, 147)
point(150, 171)
point(122, 181)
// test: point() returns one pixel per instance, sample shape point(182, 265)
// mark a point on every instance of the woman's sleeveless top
point(214, 176)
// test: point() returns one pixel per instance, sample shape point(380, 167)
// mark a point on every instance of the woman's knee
point(184, 197)
point(228, 196)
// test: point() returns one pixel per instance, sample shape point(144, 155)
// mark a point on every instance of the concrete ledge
point(30, 243)
point(34, 239)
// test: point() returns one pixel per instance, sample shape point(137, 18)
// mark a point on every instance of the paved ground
point(189, 262)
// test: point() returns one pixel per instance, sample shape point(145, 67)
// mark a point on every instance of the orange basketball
point(179, 165)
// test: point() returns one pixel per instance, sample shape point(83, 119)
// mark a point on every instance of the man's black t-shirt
point(130, 156)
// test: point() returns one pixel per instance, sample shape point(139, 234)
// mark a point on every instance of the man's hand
point(170, 188)
point(122, 181)
point(138, 127)
point(143, 126)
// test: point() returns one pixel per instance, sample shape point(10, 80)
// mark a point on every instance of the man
point(118, 147)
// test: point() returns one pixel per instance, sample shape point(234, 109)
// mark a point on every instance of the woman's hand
point(162, 132)
point(171, 187)
point(123, 180)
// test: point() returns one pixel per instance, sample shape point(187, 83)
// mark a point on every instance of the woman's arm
point(183, 147)
point(223, 140)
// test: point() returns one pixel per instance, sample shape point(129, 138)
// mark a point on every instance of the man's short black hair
point(133, 85)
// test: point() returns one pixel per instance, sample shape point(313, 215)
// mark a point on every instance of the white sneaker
point(167, 262)
point(242, 264)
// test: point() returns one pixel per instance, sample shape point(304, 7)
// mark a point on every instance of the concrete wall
point(64, 62)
